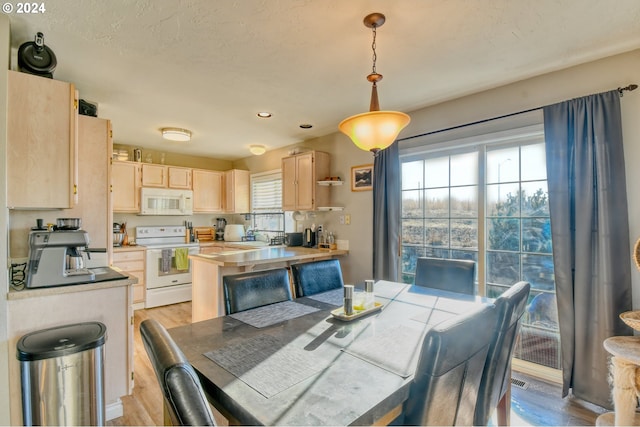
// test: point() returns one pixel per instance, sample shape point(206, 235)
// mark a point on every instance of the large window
point(487, 200)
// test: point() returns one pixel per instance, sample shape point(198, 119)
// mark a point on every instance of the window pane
point(437, 232)
point(533, 162)
point(503, 200)
point(437, 203)
point(503, 234)
point(502, 165)
point(538, 271)
point(535, 198)
point(464, 169)
point(410, 254)
point(536, 235)
point(412, 204)
point(436, 172)
point(437, 253)
point(412, 231)
point(503, 268)
point(464, 202)
point(412, 175)
point(464, 233)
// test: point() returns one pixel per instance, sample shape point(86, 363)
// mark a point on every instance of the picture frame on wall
point(362, 178)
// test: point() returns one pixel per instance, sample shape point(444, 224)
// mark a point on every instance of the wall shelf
point(329, 183)
point(330, 208)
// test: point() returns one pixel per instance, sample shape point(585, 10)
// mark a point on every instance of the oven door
point(161, 268)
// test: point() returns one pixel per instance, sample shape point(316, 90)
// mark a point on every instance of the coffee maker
point(55, 258)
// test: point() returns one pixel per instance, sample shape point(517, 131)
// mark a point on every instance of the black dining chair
point(456, 275)
point(185, 403)
point(495, 388)
point(447, 379)
point(253, 289)
point(314, 277)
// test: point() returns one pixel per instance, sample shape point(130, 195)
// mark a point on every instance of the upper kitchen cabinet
point(300, 173)
point(161, 176)
point(207, 191)
point(154, 175)
point(236, 185)
point(179, 177)
point(94, 153)
point(126, 182)
point(41, 142)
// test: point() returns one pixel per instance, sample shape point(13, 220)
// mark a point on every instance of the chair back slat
point(245, 291)
point(456, 275)
point(314, 277)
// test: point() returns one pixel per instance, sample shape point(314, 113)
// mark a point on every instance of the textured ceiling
point(211, 65)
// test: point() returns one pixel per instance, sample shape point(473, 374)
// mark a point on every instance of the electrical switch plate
point(342, 219)
point(347, 219)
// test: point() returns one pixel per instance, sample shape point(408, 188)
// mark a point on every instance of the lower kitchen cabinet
point(132, 260)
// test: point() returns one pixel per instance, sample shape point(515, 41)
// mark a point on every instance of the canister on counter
point(348, 300)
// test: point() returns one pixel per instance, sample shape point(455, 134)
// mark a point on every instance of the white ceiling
point(211, 65)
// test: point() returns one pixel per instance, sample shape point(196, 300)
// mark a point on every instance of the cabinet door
point(125, 178)
point(305, 179)
point(179, 177)
point(236, 184)
point(289, 198)
point(207, 191)
point(154, 176)
point(41, 142)
point(94, 193)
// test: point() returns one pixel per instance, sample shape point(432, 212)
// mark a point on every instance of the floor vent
point(519, 383)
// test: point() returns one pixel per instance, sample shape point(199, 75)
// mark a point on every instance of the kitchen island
point(208, 270)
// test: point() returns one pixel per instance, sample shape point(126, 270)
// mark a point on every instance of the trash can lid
point(61, 341)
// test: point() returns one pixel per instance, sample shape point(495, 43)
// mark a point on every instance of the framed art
point(362, 178)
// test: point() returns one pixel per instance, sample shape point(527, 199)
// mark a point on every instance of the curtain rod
point(620, 90)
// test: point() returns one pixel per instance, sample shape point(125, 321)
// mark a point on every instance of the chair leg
point(504, 408)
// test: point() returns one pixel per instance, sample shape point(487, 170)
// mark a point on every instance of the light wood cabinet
point(132, 260)
point(207, 191)
point(41, 142)
point(179, 177)
point(154, 175)
point(94, 193)
point(126, 182)
point(236, 185)
point(300, 173)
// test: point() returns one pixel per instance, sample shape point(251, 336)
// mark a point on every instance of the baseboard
point(113, 410)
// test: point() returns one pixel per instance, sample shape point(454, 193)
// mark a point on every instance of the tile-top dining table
point(297, 363)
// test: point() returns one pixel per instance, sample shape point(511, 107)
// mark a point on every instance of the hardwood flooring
point(538, 403)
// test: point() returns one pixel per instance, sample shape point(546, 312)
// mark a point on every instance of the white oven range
point(167, 281)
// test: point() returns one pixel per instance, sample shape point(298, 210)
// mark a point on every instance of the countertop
point(265, 255)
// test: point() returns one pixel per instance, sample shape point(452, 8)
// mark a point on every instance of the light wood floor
point(540, 404)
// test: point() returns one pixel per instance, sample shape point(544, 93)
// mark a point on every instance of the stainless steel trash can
point(62, 374)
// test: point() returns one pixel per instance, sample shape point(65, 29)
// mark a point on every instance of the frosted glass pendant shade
point(375, 130)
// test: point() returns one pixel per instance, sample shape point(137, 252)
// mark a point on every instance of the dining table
point(303, 362)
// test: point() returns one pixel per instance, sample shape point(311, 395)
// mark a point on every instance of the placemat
point(333, 297)
point(274, 313)
point(395, 349)
point(266, 365)
point(432, 316)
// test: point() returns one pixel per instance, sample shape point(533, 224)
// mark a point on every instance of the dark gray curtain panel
point(590, 231)
point(386, 213)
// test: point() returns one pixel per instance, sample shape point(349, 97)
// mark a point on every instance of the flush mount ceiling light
point(375, 130)
point(257, 150)
point(264, 114)
point(176, 134)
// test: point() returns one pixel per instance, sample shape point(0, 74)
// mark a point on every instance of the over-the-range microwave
point(165, 201)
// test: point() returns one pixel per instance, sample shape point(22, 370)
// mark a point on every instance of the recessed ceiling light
point(264, 114)
point(306, 126)
point(257, 150)
point(176, 134)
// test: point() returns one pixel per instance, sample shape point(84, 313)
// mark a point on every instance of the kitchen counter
point(209, 269)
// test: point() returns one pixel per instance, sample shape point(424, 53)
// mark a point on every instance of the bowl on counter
point(118, 239)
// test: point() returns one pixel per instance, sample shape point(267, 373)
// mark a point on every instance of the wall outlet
point(347, 219)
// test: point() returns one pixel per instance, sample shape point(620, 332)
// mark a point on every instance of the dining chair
point(185, 403)
point(495, 388)
point(456, 275)
point(253, 289)
point(313, 277)
point(450, 366)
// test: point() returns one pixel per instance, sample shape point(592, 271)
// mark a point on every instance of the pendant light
point(375, 130)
